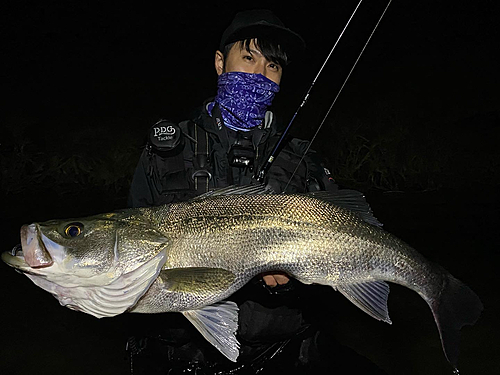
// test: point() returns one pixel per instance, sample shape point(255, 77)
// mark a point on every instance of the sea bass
point(190, 257)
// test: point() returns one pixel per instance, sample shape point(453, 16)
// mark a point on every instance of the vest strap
point(201, 175)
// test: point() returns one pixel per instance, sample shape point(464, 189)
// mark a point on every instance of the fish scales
point(253, 234)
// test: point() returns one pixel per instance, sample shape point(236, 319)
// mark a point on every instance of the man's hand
point(274, 279)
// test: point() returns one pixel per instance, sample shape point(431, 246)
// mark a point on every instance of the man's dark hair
point(270, 50)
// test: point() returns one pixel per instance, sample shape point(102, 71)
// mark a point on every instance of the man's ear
point(219, 62)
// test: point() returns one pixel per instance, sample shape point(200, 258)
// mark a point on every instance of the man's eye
point(247, 57)
point(274, 66)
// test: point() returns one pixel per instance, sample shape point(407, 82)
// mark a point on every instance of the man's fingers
point(281, 279)
point(275, 279)
point(270, 280)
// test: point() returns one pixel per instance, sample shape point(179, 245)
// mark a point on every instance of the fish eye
point(73, 229)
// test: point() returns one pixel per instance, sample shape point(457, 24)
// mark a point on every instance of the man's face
point(240, 60)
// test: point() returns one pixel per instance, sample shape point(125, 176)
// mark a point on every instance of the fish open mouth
point(17, 251)
point(31, 253)
point(15, 258)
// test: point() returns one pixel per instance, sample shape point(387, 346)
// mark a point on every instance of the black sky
point(128, 59)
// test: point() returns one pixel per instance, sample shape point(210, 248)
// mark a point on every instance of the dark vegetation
point(70, 158)
point(98, 156)
point(388, 154)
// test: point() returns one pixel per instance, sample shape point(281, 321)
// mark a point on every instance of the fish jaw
point(48, 265)
point(34, 251)
point(37, 254)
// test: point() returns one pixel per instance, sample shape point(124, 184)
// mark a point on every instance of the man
point(253, 52)
point(227, 143)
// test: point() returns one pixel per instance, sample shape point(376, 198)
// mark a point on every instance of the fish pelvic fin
point(371, 297)
point(456, 306)
point(218, 324)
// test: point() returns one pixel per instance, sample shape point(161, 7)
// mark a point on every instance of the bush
point(67, 159)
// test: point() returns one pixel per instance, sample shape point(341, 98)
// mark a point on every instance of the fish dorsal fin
point(371, 297)
point(218, 324)
point(237, 190)
point(116, 297)
point(352, 200)
point(197, 280)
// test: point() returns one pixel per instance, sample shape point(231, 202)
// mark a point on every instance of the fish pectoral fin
point(197, 280)
point(218, 324)
point(371, 297)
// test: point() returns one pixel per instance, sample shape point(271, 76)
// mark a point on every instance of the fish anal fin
point(197, 280)
point(218, 324)
point(371, 297)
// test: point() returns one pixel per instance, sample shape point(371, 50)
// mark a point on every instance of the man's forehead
point(252, 46)
point(268, 52)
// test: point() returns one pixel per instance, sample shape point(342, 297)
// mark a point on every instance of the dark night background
point(416, 128)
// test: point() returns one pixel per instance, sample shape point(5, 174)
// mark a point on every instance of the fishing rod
point(261, 174)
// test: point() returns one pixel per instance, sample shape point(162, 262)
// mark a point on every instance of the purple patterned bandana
point(243, 99)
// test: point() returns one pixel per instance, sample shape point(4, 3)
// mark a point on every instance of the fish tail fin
point(456, 306)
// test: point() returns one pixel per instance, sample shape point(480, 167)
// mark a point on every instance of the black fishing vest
point(223, 157)
point(204, 154)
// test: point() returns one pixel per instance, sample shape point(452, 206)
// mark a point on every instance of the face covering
point(243, 99)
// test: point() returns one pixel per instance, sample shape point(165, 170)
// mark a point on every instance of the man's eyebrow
point(255, 51)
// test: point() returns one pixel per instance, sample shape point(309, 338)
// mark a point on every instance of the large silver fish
point(190, 257)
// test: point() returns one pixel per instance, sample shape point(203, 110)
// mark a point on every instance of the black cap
point(262, 23)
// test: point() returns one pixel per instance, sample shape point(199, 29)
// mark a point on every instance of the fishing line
point(338, 93)
point(269, 161)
